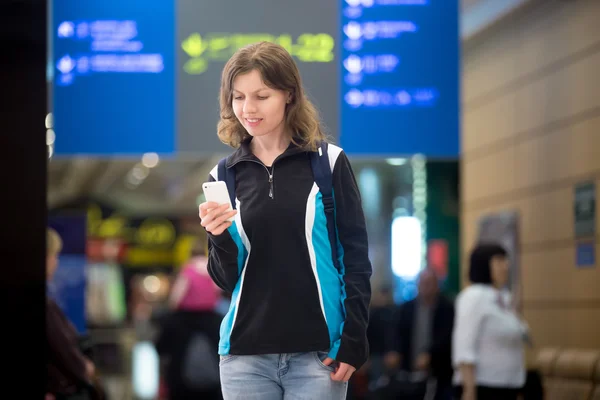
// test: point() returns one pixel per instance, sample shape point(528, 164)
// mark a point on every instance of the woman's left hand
point(343, 371)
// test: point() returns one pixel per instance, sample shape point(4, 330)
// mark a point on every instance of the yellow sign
point(144, 257)
point(141, 256)
point(307, 47)
point(152, 232)
point(155, 232)
point(154, 242)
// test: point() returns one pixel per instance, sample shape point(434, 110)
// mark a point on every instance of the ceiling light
point(49, 121)
point(396, 161)
point(150, 160)
point(50, 137)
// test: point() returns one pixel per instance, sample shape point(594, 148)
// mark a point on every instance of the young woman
point(489, 333)
point(296, 328)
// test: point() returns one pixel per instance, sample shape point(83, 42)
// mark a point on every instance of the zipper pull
point(270, 185)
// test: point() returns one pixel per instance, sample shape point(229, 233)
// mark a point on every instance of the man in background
point(381, 317)
point(421, 336)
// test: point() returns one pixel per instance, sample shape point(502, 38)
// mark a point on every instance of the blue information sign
point(586, 254)
point(116, 83)
point(400, 77)
point(114, 76)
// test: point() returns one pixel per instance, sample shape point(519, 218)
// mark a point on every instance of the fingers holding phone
point(216, 218)
point(217, 212)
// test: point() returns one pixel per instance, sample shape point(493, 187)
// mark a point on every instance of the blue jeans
point(299, 376)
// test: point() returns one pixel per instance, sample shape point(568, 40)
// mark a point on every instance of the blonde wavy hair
point(278, 71)
point(54, 243)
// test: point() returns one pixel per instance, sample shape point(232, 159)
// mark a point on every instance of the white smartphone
point(217, 192)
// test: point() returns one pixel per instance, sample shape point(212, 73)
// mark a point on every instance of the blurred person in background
point(188, 336)
point(381, 318)
point(489, 333)
point(71, 375)
point(297, 324)
point(421, 336)
point(381, 314)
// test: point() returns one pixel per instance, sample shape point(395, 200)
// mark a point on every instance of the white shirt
point(490, 337)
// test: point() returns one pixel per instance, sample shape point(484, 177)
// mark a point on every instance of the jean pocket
point(226, 358)
point(320, 356)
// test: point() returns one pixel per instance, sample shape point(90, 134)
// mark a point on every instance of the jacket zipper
point(270, 181)
point(271, 174)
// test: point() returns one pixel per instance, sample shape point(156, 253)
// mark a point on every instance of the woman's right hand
point(214, 217)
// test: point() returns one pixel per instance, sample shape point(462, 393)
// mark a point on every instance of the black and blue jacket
point(288, 296)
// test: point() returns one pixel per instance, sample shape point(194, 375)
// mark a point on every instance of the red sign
point(437, 257)
point(106, 249)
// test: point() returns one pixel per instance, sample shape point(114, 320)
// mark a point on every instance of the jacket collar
point(243, 153)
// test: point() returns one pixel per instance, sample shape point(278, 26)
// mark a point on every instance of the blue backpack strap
point(227, 175)
point(319, 161)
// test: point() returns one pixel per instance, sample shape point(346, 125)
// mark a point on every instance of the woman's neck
point(267, 148)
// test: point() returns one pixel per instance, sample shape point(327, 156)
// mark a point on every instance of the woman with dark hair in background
point(489, 333)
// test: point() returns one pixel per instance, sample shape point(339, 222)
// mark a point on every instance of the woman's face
point(499, 271)
point(259, 108)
